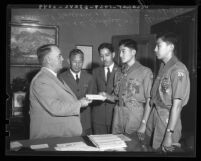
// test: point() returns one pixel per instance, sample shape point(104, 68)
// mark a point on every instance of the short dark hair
point(129, 43)
point(169, 38)
point(44, 50)
point(107, 46)
point(74, 52)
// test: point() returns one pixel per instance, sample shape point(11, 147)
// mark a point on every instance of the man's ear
point(172, 47)
point(134, 52)
point(47, 59)
point(68, 61)
point(113, 54)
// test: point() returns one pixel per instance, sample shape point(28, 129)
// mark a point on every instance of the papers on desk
point(15, 145)
point(39, 146)
point(95, 97)
point(108, 142)
point(75, 146)
point(123, 137)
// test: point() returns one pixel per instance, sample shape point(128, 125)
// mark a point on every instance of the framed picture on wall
point(18, 103)
point(87, 50)
point(26, 38)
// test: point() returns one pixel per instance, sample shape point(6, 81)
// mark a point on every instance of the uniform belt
point(160, 109)
point(160, 104)
point(121, 103)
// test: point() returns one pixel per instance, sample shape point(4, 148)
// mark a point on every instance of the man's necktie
point(77, 79)
point(108, 74)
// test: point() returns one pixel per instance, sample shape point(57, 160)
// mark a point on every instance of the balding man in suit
point(54, 108)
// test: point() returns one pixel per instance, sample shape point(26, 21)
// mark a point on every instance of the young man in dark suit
point(102, 112)
point(81, 83)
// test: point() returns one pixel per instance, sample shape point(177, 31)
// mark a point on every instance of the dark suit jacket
point(102, 112)
point(54, 108)
point(85, 86)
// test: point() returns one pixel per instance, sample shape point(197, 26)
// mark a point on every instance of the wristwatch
point(169, 130)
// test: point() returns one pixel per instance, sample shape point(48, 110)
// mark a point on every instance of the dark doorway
point(185, 27)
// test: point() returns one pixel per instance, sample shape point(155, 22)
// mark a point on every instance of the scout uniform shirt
point(171, 83)
point(132, 88)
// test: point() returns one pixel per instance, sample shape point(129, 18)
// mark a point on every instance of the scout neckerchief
point(126, 69)
point(163, 69)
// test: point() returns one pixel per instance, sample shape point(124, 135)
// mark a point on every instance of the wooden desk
point(132, 146)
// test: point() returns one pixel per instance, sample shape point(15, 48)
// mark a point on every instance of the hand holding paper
point(104, 94)
point(95, 97)
point(85, 101)
point(107, 96)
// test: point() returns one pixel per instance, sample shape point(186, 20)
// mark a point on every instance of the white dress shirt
point(74, 74)
point(110, 68)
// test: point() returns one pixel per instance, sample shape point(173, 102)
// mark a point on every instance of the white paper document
point(123, 137)
point(95, 97)
point(75, 146)
point(15, 144)
point(108, 142)
point(39, 146)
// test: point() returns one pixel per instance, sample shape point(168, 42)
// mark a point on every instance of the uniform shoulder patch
point(180, 75)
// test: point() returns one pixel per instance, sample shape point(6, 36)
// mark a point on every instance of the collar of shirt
point(172, 61)
point(110, 67)
point(74, 74)
point(127, 69)
point(50, 70)
point(164, 67)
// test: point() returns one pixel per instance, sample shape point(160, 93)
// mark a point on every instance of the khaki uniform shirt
point(171, 83)
point(132, 88)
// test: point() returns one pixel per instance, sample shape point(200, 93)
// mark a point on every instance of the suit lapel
point(68, 89)
point(115, 68)
point(62, 85)
point(102, 74)
point(82, 79)
point(70, 78)
point(71, 83)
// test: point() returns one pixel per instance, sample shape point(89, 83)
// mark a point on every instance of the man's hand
point(104, 94)
point(85, 101)
point(167, 143)
point(141, 131)
point(142, 128)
